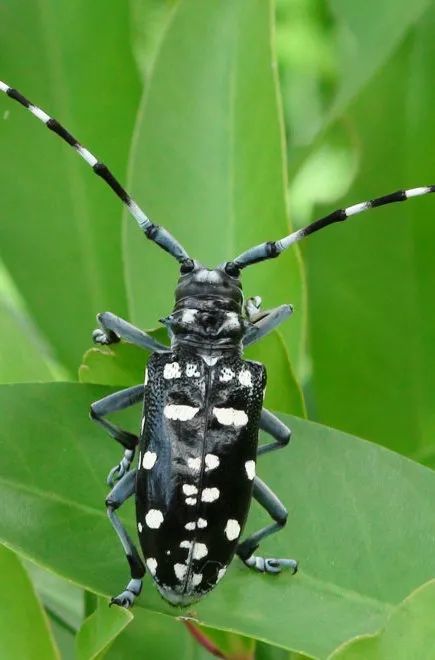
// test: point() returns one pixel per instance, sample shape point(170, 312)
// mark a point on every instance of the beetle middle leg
point(124, 489)
point(245, 550)
point(113, 403)
point(113, 328)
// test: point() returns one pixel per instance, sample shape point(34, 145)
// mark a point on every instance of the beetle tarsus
point(104, 337)
point(127, 597)
point(271, 565)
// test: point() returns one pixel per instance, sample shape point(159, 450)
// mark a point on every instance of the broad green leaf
point(22, 357)
point(371, 281)
point(61, 598)
point(266, 652)
point(100, 629)
point(24, 629)
point(208, 158)
point(368, 34)
point(60, 228)
point(154, 636)
point(409, 632)
point(347, 499)
point(124, 364)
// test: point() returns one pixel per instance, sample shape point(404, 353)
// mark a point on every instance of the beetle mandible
point(198, 443)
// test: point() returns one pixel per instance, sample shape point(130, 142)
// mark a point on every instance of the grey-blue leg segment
point(124, 489)
point(277, 511)
point(264, 323)
point(110, 404)
point(277, 429)
point(113, 328)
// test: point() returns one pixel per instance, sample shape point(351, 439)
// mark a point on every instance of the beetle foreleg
point(278, 512)
point(113, 328)
point(277, 429)
point(110, 404)
point(117, 496)
point(265, 322)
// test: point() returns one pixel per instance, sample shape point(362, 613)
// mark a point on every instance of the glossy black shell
point(196, 467)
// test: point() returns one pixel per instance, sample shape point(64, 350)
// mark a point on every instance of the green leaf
point(368, 34)
point(371, 281)
point(347, 500)
point(153, 636)
point(22, 356)
point(208, 158)
point(409, 632)
point(24, 630)
point(60, 228)
point(100, 630)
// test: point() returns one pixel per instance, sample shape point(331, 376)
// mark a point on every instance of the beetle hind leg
point(124, 489)
point(278, 512)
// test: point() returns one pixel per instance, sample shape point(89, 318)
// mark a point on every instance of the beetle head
point(209, 289)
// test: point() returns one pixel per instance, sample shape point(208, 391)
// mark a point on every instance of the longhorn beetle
point(195, 475)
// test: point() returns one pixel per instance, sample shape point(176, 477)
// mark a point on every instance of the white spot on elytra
point(192, 370)
point(186, 544)
point(154, 518)
point(232, 530)
point(250, 469)
point(189, 489)
point(210, 494)
point(194, 463)
point(211, 462)
point(245, 378)
point(191, 501)
point(202, 523)
point(226, 375)
point(149, 458)
point(199, 550)
point(180, 571)
point(151, 563)
point(190, 526)
point(139, 526)
point(221, 573)
point(180, 413)
point(146, 376)
point(196, 579)
point(172, 370)
point(230, 416)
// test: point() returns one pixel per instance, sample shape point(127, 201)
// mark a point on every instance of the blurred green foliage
point(181, 99)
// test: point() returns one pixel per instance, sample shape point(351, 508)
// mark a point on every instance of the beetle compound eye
point(232, 269)
point(187, 266)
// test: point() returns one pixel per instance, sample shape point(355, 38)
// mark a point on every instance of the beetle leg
point(113, 328)
point(110, 404)
point(265, 323)
point(117, 496)
point(277, 429)
point(278, 513)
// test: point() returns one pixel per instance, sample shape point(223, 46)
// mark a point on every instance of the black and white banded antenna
point(272, 249)
point(155, 233)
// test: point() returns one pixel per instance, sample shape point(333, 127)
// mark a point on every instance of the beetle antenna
point(273, 249)
point(155, 233)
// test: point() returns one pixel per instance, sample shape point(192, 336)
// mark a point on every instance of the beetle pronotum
point(203, 410)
